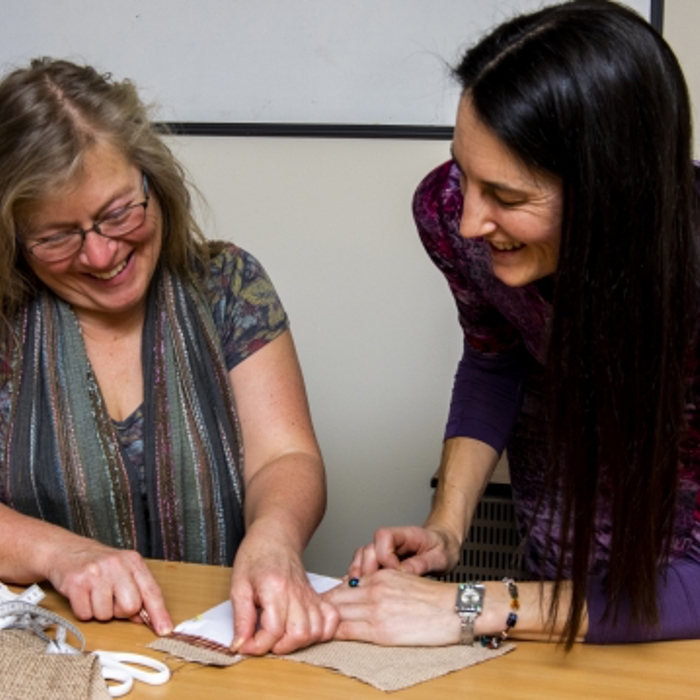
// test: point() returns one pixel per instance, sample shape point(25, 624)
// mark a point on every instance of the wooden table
point(533, 671)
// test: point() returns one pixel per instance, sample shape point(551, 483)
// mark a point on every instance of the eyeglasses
point(59, 245)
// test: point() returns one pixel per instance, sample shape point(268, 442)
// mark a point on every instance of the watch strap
point(468, 605)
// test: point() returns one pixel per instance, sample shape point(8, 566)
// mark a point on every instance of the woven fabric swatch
point(394, 668)
point(193, 652)
point(27, 672)
point(386, 668)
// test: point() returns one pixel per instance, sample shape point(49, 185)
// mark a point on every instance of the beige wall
point(681, 27)
point(374, 322)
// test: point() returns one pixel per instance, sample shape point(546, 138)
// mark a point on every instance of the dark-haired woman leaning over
point(566, 225)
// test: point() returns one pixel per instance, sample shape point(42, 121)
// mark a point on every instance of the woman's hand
point(393, 608)
point(465, 469)
point(416, 550)
point(275, 607)
point(104, 583)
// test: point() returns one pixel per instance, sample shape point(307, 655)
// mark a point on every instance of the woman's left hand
point(394, 608)
point(275, 607)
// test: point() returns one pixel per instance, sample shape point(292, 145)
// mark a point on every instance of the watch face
point(471, 598)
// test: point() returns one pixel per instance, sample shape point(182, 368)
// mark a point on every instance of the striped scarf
point(65, 463)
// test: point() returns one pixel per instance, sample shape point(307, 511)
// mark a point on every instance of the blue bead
point(354, 582)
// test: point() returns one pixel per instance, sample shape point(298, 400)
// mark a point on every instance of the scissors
point(126, 668)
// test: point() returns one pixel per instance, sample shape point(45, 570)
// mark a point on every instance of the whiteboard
point(269, 61)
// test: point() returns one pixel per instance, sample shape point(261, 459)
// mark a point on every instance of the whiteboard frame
point(365, 131)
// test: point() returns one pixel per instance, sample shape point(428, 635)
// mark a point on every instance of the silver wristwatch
point(469, 604)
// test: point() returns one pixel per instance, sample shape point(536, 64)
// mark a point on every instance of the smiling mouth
point(110, 274)
point(505, 246)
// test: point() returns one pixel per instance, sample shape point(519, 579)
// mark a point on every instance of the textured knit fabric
point(497, 398)
point(63, 460)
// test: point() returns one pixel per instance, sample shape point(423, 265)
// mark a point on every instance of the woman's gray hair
point(51, 113)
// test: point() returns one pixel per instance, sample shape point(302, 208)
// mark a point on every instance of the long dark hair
point(590, 92)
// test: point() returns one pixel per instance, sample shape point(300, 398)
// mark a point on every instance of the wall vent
point(492, 549)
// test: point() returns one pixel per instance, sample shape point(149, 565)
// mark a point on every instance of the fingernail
point(236, 644)
point(165, 630)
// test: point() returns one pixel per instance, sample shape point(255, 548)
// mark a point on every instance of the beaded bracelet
point(513, 591)
point(495, 641)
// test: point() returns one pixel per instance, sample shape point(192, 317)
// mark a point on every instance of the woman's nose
point(477, 219)
point(98, 251)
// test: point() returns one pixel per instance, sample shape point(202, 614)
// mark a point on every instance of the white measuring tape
point(22, 611)
point(33, 594)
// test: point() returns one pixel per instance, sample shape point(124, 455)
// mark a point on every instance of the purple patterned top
point(497, 398)
point(247, 314)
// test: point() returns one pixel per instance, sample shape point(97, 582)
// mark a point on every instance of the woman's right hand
point(416, 550)
point(100, 582)
point(104, 583)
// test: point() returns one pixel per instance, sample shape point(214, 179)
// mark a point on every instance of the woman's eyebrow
point(500, 186)
point(104, 209)
point(123, 192)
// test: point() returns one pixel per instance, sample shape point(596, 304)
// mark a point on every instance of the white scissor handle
point(125, 667)
point(115, 672)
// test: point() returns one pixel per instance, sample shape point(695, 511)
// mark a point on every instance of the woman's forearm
point(465, 469)
point(287, 498)
point(533, 611)
point(26, 545)
point(285, 485)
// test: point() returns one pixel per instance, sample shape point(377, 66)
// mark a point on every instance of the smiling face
point(517, 211)
point(107, 279)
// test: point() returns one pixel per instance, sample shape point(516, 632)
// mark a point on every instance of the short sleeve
point(247, 312)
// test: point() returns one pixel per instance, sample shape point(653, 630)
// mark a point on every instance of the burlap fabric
point(27, 672)
point(386, 668)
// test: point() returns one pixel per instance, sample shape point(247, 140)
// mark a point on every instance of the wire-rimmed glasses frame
point(115, 224)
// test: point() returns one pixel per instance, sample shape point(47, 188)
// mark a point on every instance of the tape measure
point(33, 594)
point(20, 613)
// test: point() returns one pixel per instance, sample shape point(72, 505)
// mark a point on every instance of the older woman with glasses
point(139, 365)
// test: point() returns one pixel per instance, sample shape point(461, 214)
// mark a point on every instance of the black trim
point(329, 131)
point(657, 15)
